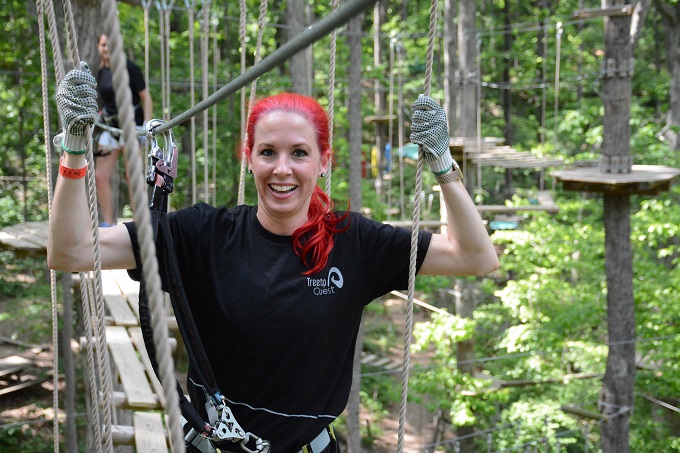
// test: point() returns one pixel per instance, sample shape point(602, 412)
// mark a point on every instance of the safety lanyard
point(222, 424)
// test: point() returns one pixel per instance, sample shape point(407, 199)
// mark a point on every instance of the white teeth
point(282, 188)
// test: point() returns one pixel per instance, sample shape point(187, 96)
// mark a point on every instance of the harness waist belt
point(320, 442)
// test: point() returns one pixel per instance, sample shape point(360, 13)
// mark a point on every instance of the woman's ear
point(326, 161)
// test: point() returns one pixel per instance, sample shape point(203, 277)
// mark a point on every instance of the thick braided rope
point(100, 343)
point(261, 22)
point(145, 233)
point(205, 34)
point(331, 98)
point(242, 38)
point(53, 279)
point(191, 4)
point(92, 374)
point(87, 295)
point(434, 9)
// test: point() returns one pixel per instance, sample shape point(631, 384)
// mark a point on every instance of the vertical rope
point(261, 22)
point(190, 4)
point(242, 156)
point(53, 279)
point(142, 220)
point(100, 346)
point(331, 99)
point(161, 31)
point(434, 9)
point(93, 376)
point(400, 131)
point(167, 10)
point(216, 56)
point(205, 34)
point(87, 295)
point(146, 4)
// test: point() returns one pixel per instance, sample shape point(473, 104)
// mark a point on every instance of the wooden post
point(616, 397)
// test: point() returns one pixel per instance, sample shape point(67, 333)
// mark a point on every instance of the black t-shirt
point(108, 95)
point(281, 344)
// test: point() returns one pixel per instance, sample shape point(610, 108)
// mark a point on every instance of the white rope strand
point(48, 168)
point(434, 9)
point(144, 230)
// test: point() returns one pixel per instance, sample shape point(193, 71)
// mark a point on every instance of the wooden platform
point(12, 376)
point(643, 180)
point(25, 239)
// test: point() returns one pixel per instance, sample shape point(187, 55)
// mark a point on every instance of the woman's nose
point(282, 165)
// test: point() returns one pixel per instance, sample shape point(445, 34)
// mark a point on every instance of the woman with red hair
point(277, 289)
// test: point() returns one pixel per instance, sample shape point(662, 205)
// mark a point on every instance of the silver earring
point(250, 171)
point(323, 175)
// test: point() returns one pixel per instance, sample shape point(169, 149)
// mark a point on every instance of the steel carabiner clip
point(162, 164)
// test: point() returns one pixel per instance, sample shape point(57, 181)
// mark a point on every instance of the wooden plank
point(129, 289)
point(13, 364)
point(138, 341)
point(149, 432)
point(118, 308)
point(131, 370)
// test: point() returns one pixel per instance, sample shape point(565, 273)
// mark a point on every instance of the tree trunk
point(465, 306)
point(355, 201)
point(616, 399)
point(450, 63)
point(88, 18)
point(670, 14)
point(506, 94)
point(467, 56)
point(300, 64)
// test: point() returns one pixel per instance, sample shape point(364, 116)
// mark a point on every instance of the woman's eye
point(299, 153)
point(267, 152)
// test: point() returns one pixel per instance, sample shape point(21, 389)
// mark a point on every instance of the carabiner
point(163, 164)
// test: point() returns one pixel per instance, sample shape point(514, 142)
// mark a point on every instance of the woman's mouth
point(282, 188)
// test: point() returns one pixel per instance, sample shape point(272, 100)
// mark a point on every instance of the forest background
point(543, 316)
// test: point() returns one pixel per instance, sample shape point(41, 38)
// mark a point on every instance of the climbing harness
point(221, 426)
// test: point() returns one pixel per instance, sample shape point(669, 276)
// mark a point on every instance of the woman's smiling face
point(286, 162)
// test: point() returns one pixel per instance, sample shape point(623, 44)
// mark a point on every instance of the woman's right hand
point(77, 106)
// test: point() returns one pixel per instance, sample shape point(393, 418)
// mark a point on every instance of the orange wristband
point(71, 173)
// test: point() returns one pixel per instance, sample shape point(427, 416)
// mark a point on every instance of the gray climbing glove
point(429, 128)
point(77, 106)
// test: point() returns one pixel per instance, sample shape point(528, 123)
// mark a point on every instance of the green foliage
point(543, 314)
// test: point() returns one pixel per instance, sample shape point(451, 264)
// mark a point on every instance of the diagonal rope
point(53, 279)
point(142, 220)
point(434, 9)
point(101, 355)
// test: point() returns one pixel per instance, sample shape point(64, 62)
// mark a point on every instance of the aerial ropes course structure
point(160, 175)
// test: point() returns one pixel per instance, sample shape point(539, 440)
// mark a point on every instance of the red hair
point(313, 241)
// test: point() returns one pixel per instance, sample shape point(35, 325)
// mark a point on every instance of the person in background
point(109, 143)
point(277, 289)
